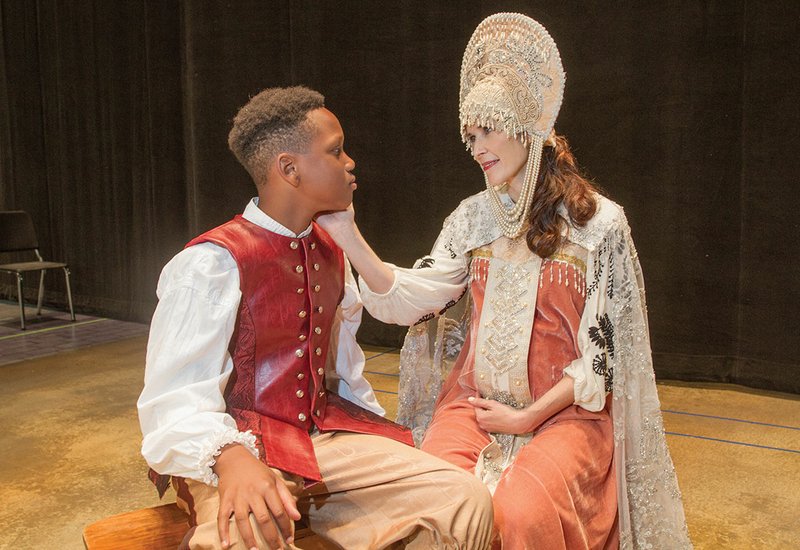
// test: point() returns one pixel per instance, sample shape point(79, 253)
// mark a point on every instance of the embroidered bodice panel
point(525, 318)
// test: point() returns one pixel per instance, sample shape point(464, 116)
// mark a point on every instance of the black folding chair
point(17, 234)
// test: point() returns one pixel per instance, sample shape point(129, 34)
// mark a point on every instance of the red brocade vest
point(291, 288)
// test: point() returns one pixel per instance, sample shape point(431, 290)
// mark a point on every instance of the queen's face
point(501, 158)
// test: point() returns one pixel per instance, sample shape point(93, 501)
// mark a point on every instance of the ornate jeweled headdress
point(512, 79)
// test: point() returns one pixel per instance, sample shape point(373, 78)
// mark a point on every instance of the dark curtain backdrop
point(114, 118)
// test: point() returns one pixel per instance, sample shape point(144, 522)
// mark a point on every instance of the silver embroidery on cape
point(469, 227)
point(427, 357)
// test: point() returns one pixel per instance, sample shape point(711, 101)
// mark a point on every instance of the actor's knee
point(479, 496)
point(474, 502)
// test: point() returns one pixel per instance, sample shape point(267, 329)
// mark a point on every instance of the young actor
point(256, 321)
point(554, 338)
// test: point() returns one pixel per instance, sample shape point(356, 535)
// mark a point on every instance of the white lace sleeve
point(418, 294)
point(435, 283)
point(440, 279)
point(212, 446)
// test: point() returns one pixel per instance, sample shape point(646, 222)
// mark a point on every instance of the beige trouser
point(377, 493)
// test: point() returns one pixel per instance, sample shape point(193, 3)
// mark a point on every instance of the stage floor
point(70, 439)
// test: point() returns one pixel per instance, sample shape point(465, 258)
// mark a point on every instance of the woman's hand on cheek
point(338, 223)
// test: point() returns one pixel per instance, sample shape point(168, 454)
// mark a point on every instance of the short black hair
point(273, 121)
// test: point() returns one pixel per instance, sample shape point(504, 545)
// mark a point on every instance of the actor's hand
point(496, 417)
point(338, 224)
point(246, 485)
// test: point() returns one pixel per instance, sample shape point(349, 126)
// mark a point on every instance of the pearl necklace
point(511, 220)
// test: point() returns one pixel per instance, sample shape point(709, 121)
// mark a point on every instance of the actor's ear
point(287, 169)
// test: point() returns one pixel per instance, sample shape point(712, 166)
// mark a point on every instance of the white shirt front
point(182, 408)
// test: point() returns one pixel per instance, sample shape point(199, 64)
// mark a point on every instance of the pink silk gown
point(559, 490)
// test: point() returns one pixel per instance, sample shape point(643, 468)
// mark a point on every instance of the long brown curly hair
point(560, 181)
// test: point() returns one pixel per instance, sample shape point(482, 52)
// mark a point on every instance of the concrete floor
point(70, 441)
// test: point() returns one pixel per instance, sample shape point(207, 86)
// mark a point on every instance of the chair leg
point(41, 293)
point(69, 295)
point(21, 305)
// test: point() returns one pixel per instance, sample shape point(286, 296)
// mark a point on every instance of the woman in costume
point(544, 385)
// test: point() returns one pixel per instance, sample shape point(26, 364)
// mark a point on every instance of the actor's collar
point(254, 214)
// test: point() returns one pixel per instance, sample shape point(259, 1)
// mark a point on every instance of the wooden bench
point(158, 528)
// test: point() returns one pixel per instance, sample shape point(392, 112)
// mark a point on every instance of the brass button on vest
point(293, 245)
point(301, 417)
point(300, 290)
point(320, 371)
point(317, 330)
point(318, 351)
point(299, 268)
point(313, 246)
point(302, 337)
point(316, 267)
point(302, 314)
point(299, 394)
point(300, 375)
point(316, 288)
point(299, 353)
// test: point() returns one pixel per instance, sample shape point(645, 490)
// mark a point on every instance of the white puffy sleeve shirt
point(182, 408)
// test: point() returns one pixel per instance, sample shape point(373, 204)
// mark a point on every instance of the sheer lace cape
point(650, 508)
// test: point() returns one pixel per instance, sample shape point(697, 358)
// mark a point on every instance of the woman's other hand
point(496, 417)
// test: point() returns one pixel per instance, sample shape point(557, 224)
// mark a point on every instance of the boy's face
point(325, 169)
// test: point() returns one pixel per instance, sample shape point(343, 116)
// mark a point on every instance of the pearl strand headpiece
point(512, 79)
